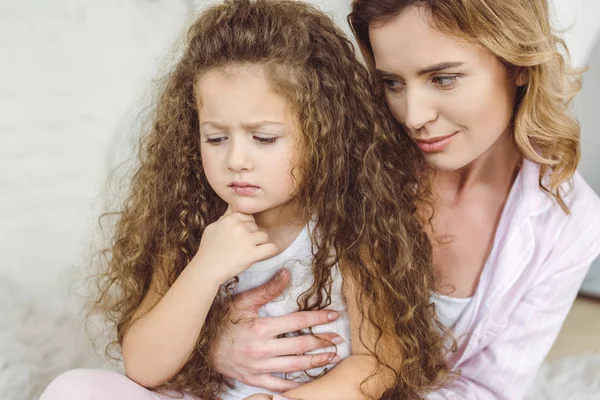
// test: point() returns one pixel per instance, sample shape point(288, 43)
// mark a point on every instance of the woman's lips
point(435, 145)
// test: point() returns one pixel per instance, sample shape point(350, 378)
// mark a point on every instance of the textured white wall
point(73, 77)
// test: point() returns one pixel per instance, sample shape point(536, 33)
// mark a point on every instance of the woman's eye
point(445, 81)
point(266, 140)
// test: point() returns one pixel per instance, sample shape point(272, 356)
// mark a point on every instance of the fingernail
point(334, 359)
point(279, 274)
point(337, 340)
point(280, 397)
point(333, 315)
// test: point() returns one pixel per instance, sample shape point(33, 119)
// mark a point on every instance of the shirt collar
point(531, 200)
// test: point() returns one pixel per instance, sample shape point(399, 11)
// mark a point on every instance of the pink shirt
point(528, 284)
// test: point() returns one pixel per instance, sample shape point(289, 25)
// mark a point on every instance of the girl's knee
point(85, 384)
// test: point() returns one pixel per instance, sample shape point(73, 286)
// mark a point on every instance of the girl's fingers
point(259, 237)
point(252, 227)
point(243, 217)
point(264, 251)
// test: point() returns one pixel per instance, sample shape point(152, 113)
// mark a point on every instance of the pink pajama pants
point(96, 384)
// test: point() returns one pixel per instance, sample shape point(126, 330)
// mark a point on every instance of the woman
point(483, 91)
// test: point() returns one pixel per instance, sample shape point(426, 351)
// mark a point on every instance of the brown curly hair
point(520, 34)
point(360, 185)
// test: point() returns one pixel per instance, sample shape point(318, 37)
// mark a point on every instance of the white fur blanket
point(40, 338)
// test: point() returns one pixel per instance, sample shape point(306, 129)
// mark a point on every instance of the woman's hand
point(231, 245)
point(250, 350)
point(259, 396)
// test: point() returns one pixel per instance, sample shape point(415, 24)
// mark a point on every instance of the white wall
point(73, 77)
point(584, 42)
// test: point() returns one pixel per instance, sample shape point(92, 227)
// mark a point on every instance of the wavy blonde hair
point(359, 184)
point(519, 33)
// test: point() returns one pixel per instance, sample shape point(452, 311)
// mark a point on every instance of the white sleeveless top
point(297, 258)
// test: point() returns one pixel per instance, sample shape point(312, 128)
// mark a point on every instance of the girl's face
point(455, 98)
point(248, 139)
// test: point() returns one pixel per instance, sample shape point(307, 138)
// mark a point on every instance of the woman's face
point(455, 98)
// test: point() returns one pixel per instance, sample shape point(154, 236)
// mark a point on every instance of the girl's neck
point(494, 170)
point(281, 225)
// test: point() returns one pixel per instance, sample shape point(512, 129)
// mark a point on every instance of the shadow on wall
point(588, 107)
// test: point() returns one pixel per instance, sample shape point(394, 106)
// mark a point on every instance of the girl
point(483, 91)
point(269, 151)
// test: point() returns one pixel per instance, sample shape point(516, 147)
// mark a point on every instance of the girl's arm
point(164, 330)
point(160, 341)
point(344, 381)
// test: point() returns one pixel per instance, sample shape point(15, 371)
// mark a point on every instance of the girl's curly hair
point(360, 185)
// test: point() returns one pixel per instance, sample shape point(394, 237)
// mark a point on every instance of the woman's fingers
point(297, 363)
point(298, 321)
point(302, 344)
point(272, 383)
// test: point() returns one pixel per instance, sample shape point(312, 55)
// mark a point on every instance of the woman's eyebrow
point(433, 68)
point(440, 67)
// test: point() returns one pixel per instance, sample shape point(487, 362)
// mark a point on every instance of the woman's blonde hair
point(518, 32)
point(359, 183)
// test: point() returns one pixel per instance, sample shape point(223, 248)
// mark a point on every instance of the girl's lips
point(244, 190)
point(435, 145)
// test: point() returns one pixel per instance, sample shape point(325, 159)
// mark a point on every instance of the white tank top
point(297, 258)
point(449, 309)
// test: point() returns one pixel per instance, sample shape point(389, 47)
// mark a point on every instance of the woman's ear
point(522, 76)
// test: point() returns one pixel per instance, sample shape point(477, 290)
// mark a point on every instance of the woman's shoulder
point(582, 222)
point(551, 224)
point(581, 200)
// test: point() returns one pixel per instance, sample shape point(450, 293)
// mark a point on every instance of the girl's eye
point(266, 140)
point(392, 84)
point(446, 81)
point(215, 140)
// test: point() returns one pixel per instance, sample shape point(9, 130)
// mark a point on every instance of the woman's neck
point(494, 170)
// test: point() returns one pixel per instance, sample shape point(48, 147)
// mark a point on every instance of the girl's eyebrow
point(381, 73)
point(248, 126)
point(433, 68)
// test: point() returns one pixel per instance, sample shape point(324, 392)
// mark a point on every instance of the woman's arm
point(344, 381)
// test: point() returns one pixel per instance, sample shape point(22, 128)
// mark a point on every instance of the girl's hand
point(231, 245)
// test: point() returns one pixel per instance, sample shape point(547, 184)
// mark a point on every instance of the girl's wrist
point(205, 274)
